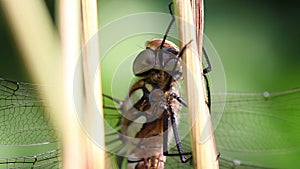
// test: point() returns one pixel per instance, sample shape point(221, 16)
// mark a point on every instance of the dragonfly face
point(154, 57)
point(146, 109)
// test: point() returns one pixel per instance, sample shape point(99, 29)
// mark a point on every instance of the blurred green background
point(257, 40)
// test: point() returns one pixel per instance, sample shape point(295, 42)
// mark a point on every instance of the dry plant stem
point(89, 19)
point(74, 144)
point(43, 57)
point(204, 151)
point(92, 80)
point(39, 44)
point(198, 16)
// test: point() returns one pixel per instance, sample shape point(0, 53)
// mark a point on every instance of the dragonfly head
point(155, 58)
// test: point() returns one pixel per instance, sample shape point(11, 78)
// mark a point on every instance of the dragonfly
point(157, 106)
point(151, 109)
point(247, 120)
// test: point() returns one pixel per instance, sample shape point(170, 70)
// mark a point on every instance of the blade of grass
point(204, 149)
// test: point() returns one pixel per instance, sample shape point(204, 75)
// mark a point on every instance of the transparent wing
point(24, 128)
point(113, 142)
point(259, 130)
point(22, 117)
point(48, 159)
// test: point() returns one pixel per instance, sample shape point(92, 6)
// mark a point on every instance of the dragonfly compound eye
point(144, 62)
point(165, 59)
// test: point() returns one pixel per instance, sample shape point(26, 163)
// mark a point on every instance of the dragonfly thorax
point(159, 79)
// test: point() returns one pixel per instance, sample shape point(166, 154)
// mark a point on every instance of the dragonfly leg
point(179, 99)
point(119, 102)
point(218, 156)
point(205, 71)
point(183, 49)
point(169, 27)
point(165, 129)
point(208, 68)
point(183, 156)
point(208, 92)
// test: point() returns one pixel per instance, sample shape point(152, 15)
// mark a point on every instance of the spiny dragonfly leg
point(183, 156)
